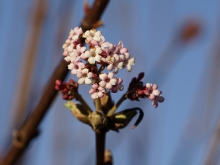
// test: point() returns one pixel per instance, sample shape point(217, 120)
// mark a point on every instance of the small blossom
point(107, 80)
point(129, 63)
point(71, 42)
point(154, 94)
point(74, 34)
point(96, 91)
point(74, 53)
point(86, 55)
point(113, 62)
point(126, 61)
point(107, 47)
point(94, 37)
point(118, 86)
point(76, 67)
point(84, 76)
point(117, 48)
point(65, 47)
point(79, 50)
point(93, 55)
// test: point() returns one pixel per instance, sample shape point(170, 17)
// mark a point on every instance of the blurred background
point(176, 44)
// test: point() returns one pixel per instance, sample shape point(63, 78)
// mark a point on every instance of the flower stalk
point(83, 102)
point(114, 108)
point(100, 148)
point(100, 139)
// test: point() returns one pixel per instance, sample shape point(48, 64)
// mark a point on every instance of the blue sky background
point(178, 132)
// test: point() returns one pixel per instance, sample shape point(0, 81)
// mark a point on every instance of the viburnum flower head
point(96, 65)
point(89, 64)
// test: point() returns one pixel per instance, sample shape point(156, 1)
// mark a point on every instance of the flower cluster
point(138, 90)
point(88, 64)
point(67, 89)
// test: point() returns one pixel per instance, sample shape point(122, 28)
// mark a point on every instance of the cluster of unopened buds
point(68, 89)
point(89, 63)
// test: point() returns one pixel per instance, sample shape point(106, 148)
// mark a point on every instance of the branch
point(28, 130)
point(214, 146)
point(100, 139)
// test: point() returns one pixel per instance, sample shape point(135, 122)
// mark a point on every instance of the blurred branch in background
point(28, 130)
point(169, 58)
point(27, 67)
point(213, 146)
point(213, 88)
point(198, 127)
point(66, 15)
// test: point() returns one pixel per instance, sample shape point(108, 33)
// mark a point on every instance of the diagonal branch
point(28, 130)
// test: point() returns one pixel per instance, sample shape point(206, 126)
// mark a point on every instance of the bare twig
point(213, 146)
point(212, 97)
point(114, 108)
point(28, 130)
point(28, 64)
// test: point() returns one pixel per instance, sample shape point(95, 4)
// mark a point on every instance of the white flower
point(93, 55)
point(113, 62)
point(94, 37)
point(154, 94)
point(107, 80)
point(126, 61)
point(74, 54)
point(76, 67)
point(84, 76)
point(107, 47)
point(129, 63)
point(74, 34)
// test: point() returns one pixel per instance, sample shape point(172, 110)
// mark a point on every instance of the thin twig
point(28, 64)
point(214, 146)
point(212, 100)
point(28, 130)
point(83, 102)
point(114, 108)
point(98, 104)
